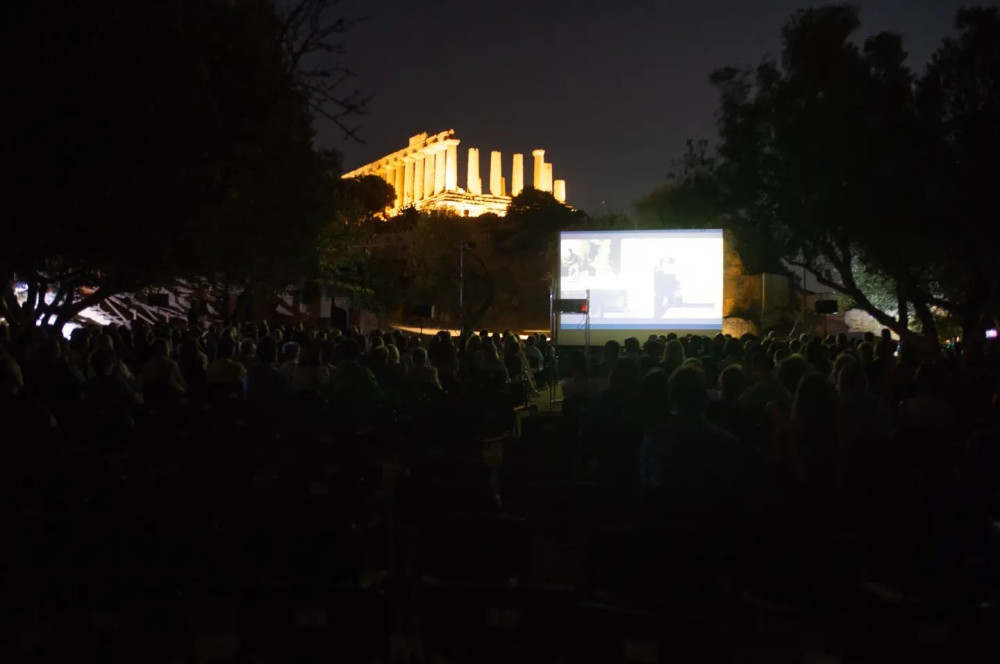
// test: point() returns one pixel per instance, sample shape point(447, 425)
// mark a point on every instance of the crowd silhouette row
point(407, 481)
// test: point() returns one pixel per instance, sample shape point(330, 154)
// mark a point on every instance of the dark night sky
point(610, 89)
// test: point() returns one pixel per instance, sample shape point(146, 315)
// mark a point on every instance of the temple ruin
point(425, 176)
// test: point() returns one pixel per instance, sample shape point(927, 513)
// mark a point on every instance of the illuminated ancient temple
point(425, 176)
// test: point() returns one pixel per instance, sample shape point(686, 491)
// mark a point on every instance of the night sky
point(611, 90)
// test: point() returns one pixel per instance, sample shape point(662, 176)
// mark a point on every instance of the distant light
point(991, 333)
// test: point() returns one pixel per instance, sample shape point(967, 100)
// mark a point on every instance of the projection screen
point(640, 283)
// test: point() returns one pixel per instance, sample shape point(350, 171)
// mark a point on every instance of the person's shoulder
point(662, 430)
point(721, 433)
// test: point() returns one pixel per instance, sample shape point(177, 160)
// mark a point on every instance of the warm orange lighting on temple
point(425, 176)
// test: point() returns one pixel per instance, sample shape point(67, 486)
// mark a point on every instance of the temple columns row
point(434, 170)
point(423, 174)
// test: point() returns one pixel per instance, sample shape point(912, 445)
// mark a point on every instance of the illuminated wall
point(425, 176)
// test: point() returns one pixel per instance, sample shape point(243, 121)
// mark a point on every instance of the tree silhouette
point(836, 153)
point(152, 140)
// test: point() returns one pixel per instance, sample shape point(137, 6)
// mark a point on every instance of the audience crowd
point(791, 472)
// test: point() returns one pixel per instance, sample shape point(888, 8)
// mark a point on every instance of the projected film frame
point(640, 281)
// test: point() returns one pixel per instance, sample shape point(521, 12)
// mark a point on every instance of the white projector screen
point(640, 283)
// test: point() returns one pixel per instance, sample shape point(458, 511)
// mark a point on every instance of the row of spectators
point(761, 455)
point(672, 411)
point(101, 375)
point(821, 416)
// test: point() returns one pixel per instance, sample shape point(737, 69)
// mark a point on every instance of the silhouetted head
point(490, 352)
point(851, 379)
point(791, 370)
point(102, 361)
point(625, 376)
point(654, 349)
point(349, 350)
point(226, 348)
point(420, 357)
point(656, 388)
point(161, 347)
point(815, 407)
point(313, 357)
point(267, 350)
point(732, 382)
point(578, 365)
point(689, 390)
point(380, 356)
point(842, 360)
point(761, 365)
point(674, 353)
point(290, 352)
point(393, 351)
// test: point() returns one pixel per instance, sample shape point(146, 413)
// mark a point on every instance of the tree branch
point(309, 31)
point(855, 293)
point(95, 298)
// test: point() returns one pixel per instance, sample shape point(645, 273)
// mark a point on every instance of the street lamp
point(461, 284)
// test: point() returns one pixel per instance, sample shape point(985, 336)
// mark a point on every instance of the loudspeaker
point(158, 300)
point(574, 306)
point(424, 310)
point(826, 306)
point(311, 292)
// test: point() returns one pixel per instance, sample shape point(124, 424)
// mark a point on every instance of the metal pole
point(461, 288)
point(804, 299)
point(552, 311)
point(763, 299)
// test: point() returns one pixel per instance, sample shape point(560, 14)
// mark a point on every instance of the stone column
point(473, 184)
point(418, 177)
point(539, 156)
point(440, 171)
point(428, 174)
point(407, 180)
point(397, 170)
point(495, 173)
point(559, 190)
point(503, 186)
point(517, 175)
point(547, 177)
point(451, 164)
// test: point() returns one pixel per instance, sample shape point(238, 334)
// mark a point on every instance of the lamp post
point(461, 284)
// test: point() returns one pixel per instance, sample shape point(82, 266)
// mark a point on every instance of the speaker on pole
point(826, 306)
point(424, 310)
point(570, 306)
point(311, 292)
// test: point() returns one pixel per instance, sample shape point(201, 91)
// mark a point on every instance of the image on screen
point(643, 280)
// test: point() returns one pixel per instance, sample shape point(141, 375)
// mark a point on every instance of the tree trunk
point(902, 306)
point(974, 329)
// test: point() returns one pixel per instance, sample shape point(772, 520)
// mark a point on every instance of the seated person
point(264, 384)
point(161, 377)
point(423, 374)
point(689, 453)
point(224, 369)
